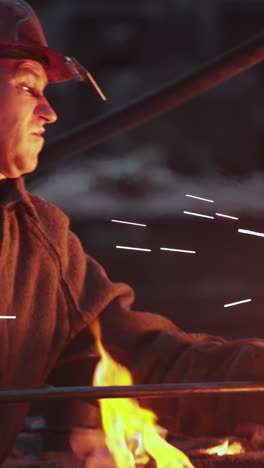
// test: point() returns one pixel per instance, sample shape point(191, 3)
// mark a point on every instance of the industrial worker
point(56, 291)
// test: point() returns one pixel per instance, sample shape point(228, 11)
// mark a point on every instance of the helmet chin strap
point(79, 73)
point(2, 176)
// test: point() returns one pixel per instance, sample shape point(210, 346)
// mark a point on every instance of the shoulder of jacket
point(50, 216)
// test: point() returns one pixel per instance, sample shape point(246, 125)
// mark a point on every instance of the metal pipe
point(132, 391)
point(85, 137)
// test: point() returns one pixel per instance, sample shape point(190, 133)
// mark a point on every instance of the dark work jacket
point(56, 290)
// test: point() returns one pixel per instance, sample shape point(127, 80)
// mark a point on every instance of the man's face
point(24, 113)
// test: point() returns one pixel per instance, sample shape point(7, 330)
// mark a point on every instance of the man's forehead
point(20, 67)
point(34, 68)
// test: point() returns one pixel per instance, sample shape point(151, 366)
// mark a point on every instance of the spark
point(178, 250)
point(226, 216)
point(127, 222)
point(132, 248)
point(253, 233)
point(236, 303)
point(198, 214)
point(199, 198)
point(7, 317)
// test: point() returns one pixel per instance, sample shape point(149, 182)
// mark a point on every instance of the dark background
point(211, 147)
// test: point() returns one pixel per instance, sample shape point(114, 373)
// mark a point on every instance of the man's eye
point(28, 89)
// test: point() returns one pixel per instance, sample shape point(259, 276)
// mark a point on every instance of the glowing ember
point(251, 233)
point(132, 248)
point(199, 198)
point(127, 222)
point(178, 250)
point(224, 449)
point(236, 303)
point(132, 436)
point(226, 216)
point(7, 316)
point(198, 214)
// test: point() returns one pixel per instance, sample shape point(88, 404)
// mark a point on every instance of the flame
point(225, 449)
point(132, 436)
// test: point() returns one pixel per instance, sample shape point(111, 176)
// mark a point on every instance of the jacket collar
point(13, 191)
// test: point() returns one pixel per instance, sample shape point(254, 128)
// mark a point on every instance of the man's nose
point(46, 111)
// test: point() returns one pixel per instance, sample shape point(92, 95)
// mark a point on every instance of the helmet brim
point(52, 61)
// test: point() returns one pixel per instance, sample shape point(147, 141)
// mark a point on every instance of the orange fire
point(225, 449)
point(131, 433)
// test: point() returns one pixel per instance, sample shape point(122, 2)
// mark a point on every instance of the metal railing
point(131, 391)
point(87, 136)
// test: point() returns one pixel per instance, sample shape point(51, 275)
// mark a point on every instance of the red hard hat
point(21, 36)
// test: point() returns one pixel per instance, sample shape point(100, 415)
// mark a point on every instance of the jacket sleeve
point(157, 351)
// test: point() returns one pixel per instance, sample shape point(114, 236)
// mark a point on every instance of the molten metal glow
point(178, 250)
point(127, 222)
point(132, 248)
point(252, 233)
point(198, 214)
point(236, 303)
point(225, 449)
point(199, 198)
point(226, 216)
point(132, 436)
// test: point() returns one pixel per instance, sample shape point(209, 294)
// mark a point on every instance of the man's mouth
point(39, 135)
point(40, 132)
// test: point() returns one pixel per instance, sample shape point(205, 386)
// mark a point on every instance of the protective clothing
point(22, 36)
point(56, 291)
